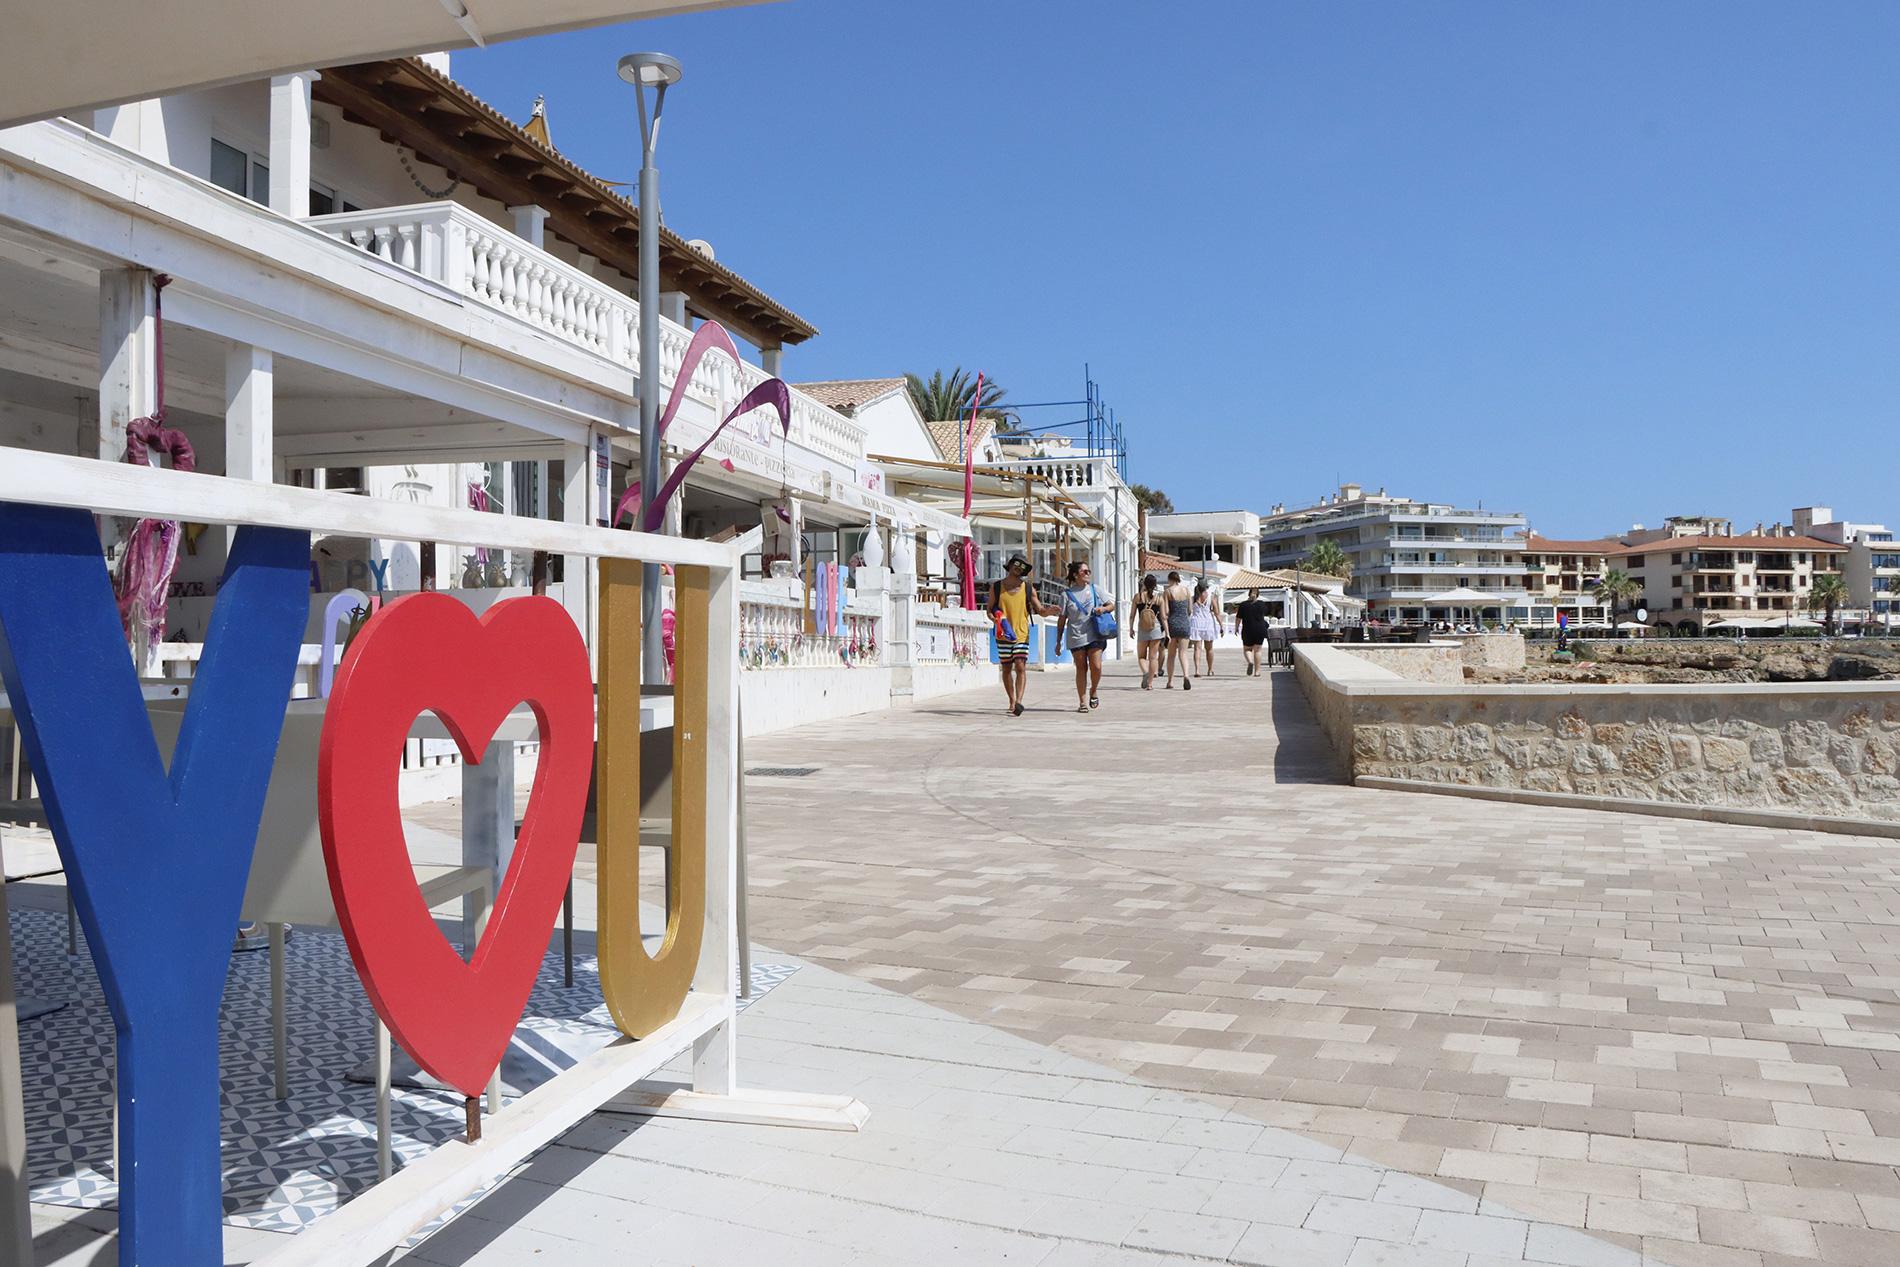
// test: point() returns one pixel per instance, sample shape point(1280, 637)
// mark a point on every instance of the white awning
point(76, 55)
point(1465, 596)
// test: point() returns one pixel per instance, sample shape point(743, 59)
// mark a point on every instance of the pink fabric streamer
point(151, 549)
point(772, 391)
point(969, 478)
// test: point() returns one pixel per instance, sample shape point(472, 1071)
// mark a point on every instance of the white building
point(1871, 565)
point(1211, 542)
point(1405, 553)
point(371, 279)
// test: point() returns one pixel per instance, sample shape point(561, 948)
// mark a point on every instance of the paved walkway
point(1678, 1037)
point(1149, 987)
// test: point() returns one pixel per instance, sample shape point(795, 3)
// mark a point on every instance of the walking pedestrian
point(1180, 615)
point(1082, 606)
point(1252, 616)
point(1204, 625)
point(1012, 600)
point(1151, 630)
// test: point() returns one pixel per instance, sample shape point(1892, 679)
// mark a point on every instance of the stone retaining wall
point(1823, 748)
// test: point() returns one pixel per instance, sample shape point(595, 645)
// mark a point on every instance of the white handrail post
point(715, 1054)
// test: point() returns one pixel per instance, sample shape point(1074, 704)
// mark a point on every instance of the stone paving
point(1149, 986)
point(1679, 1038)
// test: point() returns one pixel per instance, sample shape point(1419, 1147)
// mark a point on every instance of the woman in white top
point(1081, 604)
point(1204, 625)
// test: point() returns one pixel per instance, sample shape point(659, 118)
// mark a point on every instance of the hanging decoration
point(649, 515)
point(455, 183)
point(969, 489)
point(151, 549)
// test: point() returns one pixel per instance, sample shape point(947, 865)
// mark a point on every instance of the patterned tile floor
point(286, 1164)
point(1676, 1037)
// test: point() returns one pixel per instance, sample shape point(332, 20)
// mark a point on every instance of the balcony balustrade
point(446, 242)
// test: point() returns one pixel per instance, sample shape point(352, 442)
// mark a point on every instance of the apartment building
point(1698, 574)
point(1409, 556)
point(1561, 579)
point(1871, 565)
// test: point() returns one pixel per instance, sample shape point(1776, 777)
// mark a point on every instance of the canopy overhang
point(1465, 596)
point(83, 54)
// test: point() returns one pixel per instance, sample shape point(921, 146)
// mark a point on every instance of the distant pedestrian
point(1180, 601)
point(1081, 604)
point(1252, 616)
point(1012, 601)
point(1151, 630)
point(1204, 625)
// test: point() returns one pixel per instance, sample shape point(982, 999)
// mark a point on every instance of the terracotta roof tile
point(1554, 545)
point(850, 393)
point(947, 436)
point(1748, 542)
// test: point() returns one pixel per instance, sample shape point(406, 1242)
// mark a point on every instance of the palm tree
point(949, 399)
point(1328, 559)
point(1152, 500)
point(1829, 593)
point(1616, 588)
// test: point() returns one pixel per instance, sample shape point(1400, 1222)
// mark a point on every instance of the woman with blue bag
point(1088, 622)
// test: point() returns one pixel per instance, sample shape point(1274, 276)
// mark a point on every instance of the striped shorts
point(1007, 651)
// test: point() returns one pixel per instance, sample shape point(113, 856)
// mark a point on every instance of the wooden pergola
point(1000, 495)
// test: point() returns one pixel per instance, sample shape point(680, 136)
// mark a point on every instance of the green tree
point(1328, 559)
point(1616, 588)
point(1152, 500)
point(1829, 595)
point(949, 399)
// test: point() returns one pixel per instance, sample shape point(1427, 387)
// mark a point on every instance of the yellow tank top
point(1015, 605)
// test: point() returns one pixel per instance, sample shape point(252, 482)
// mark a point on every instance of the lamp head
point(650, 70)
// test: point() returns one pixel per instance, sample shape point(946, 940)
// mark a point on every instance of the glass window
point(322, 201)
point(260, 182)
point(229, 167)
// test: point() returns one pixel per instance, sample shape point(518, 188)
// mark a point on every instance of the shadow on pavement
point(1301, 753)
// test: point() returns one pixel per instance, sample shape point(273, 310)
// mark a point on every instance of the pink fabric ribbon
point(773, 392)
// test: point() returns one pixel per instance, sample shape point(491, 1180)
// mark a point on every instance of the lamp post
point(658, 72)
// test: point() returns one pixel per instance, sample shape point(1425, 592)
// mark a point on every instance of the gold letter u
point(645, 992)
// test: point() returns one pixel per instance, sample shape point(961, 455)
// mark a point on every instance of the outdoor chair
point(289, 885)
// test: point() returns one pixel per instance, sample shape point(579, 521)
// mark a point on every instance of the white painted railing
point(772, 632)
point(478, 259)
point(1076, 472)
point(948, 635)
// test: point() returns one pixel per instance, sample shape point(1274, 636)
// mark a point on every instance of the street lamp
point(658, 72)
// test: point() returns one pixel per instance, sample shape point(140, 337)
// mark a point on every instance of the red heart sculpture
point(428, 651)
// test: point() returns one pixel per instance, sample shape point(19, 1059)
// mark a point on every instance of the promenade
point(1150, 986)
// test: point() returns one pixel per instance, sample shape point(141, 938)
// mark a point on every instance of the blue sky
point(1599, 263)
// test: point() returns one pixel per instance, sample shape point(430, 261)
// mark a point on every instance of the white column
point(531, 224)
point(674, 514)
point(290, 143)
point(138, 126)
point(771, 359)
point(248, 439)
point(673, 306)
point(782, 537)
point(577, 507)
point(128, 365)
